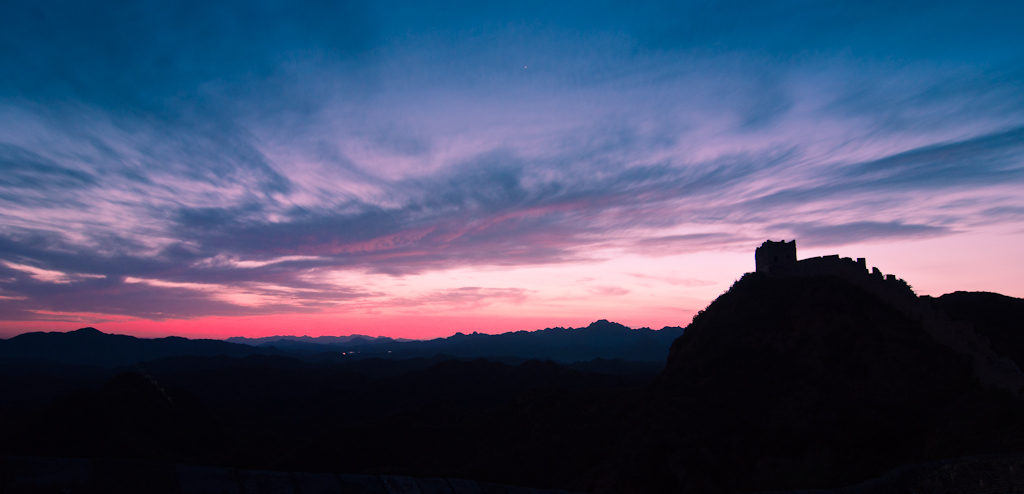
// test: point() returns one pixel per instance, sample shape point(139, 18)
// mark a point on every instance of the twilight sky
point(414, 169)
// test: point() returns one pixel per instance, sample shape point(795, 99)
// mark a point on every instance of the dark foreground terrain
point(531, 424)
point(969, 475)
point(784, 382)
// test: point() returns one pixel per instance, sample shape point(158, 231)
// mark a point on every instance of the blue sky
point(196, 168)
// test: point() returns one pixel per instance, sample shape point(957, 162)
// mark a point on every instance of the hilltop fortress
point(778, 259)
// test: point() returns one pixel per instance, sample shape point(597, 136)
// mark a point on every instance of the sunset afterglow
point(415, 169)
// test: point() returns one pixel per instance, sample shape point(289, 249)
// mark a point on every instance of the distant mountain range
point(600, 340)
point(90, 346)
point(284, 341)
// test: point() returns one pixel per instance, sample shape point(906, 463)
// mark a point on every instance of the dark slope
point(131, 416)
point(997, 317)
point(800, 382)
point(534, 424)
point(537, 423)
point(89, 346)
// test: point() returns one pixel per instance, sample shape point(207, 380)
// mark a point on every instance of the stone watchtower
point(774, 253)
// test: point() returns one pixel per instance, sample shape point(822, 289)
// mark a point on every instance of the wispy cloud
point(462, 297)
point(186, 160)
point(814, 235)
point(674, 280)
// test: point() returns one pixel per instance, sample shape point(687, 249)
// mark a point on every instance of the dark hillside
point(801, 382)
point(535, 423)
point(997, 317)
point(89, 346)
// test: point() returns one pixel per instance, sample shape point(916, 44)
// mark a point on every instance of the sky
point(413, 169)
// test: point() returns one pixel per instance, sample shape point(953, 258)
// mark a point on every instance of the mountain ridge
point(315, 340)
point(601, 339)
point(813, 381)
point(91, 346)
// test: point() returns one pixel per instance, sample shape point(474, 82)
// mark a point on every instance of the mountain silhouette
point(305, 341)
point(811, 381)
point(90, 346)
point(601, 339)
point(996, 317)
